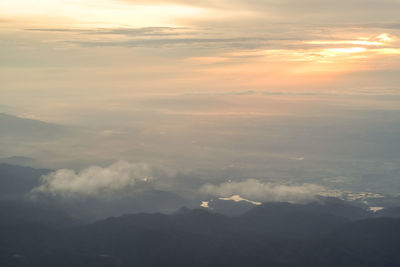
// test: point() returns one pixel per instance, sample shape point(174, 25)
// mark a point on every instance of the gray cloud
point(133, 32)
point(256, 190)
point(244, 43)
point(146, 31)
point(153, 37)
point(94, 181)
point(55, 30)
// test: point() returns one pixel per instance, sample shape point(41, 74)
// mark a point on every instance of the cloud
point(309, 11)
point(206, 3)
point(55, 30)
point(238, 42)
point(255, 190)
point(238, 198)
point(145, 31)
point(94, 181)
point(133, 32)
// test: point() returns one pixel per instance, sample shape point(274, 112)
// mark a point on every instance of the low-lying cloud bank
point(258, 191)
point(124, 178)
point(94, 181)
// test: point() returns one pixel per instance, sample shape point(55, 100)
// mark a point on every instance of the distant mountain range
point(18, 181)
point(272, 234)
point(16, 128)
point(53, 232)
point(19, 161)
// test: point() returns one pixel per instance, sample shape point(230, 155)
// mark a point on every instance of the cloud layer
point(255, 190)
point(94, 181)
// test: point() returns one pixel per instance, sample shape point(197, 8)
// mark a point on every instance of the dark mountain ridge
point(51, 232)
point(272, 234)
point(18, 181)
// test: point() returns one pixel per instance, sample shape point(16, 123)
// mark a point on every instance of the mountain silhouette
point(322, 233)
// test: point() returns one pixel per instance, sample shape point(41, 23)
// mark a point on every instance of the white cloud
point(238, 198)
point(259, 191)
point(94, 180)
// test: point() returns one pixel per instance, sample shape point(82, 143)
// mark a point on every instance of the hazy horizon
point(216, 97)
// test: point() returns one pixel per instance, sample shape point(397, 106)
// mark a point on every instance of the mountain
point(20, 161)
point(51, 231)
point(17, 181)
point(17, 212)
point(369, 242)
point(393, 212)
point(271, 234)
point(149, 201)
point(25, 227)
point(339, 207)
point(193, 238)
point(290, 220)
point(20, 136)
point(302, 220)
point(229, 207)
point(16, 128)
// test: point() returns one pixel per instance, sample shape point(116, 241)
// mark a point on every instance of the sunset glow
point(199, 133)
point(151, 48)
point(103, 13)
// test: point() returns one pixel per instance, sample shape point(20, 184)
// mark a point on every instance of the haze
point(264, 94)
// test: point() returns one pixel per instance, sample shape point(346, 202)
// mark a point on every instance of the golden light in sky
point(344, 42)
point(101, 13)
point(139, 48)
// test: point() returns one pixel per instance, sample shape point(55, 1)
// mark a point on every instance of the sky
point(62, 56)
point(276, 90)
